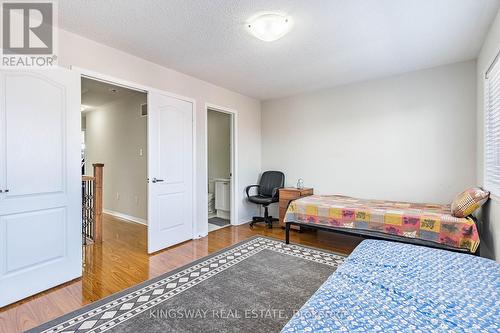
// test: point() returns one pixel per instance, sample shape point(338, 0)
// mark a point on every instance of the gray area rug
point(253, 286)
point(218, 221)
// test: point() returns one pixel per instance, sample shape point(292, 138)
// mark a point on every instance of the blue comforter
point(391, 287)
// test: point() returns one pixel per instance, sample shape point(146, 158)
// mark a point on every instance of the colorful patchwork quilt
point(427, 222)
point(394, 287)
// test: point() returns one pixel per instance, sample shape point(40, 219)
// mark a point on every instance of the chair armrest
point(275, 192)
point(247, 189)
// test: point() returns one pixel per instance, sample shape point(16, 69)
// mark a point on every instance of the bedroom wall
point(409, 137)
point(77, 51)
point(115, 132)
point(490, 246)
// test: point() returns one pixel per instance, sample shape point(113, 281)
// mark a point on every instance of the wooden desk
point(288, 194)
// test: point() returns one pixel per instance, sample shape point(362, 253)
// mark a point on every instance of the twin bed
point(423, 224)
point(395, 287)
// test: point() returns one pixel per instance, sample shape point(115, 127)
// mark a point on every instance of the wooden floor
point(121, 261)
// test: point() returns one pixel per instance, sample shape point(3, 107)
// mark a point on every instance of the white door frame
point(140, 87)
point(234, 160)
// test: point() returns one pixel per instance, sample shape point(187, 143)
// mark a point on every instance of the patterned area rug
point(254, 286)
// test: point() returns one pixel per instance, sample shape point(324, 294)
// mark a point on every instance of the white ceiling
point(97, 93)
point(333, 42)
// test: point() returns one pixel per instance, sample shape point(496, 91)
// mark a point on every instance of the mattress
point(394, 287)
point(426, 222)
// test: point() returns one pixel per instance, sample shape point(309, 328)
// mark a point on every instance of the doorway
point(170, 170)
point(114, 134)
point(220, 168)
point(170, 163)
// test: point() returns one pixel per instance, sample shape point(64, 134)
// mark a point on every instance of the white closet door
point(170, 139)
point(40, 203)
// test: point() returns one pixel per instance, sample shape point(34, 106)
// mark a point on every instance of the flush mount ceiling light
point(269, 26)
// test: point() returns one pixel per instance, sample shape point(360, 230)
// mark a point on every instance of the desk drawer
point(288, 195)
point(305, 193)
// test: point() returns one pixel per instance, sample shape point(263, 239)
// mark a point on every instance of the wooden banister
point(98, 173)
point(87, 178)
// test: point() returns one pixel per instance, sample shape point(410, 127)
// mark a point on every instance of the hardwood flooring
point(121, 261)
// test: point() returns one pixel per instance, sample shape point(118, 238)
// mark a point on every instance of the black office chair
point(267, 193)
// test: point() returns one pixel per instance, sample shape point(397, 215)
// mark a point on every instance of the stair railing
point(92, 205)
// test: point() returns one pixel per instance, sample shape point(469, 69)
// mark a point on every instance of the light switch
point(140, 152)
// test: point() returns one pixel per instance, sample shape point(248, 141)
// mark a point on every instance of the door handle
point(156, 180)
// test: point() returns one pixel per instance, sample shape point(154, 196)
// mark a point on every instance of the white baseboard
point(244, 220)
point(126, 217)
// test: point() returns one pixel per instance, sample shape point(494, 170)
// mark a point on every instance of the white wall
point(115, 133)
point(84, 53)
point(409, 137)
point(490, 241)
point(219, 153)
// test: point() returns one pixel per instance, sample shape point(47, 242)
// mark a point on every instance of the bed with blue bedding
point(393, 287)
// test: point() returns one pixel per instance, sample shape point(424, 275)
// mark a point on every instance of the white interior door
point(40, 203)
point(170, 171)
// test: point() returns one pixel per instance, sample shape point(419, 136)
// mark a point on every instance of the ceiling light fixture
point(269, 26)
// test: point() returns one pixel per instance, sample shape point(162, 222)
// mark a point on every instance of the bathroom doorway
point(219, 168)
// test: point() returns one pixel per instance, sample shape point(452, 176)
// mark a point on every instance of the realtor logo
point(28, 34)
